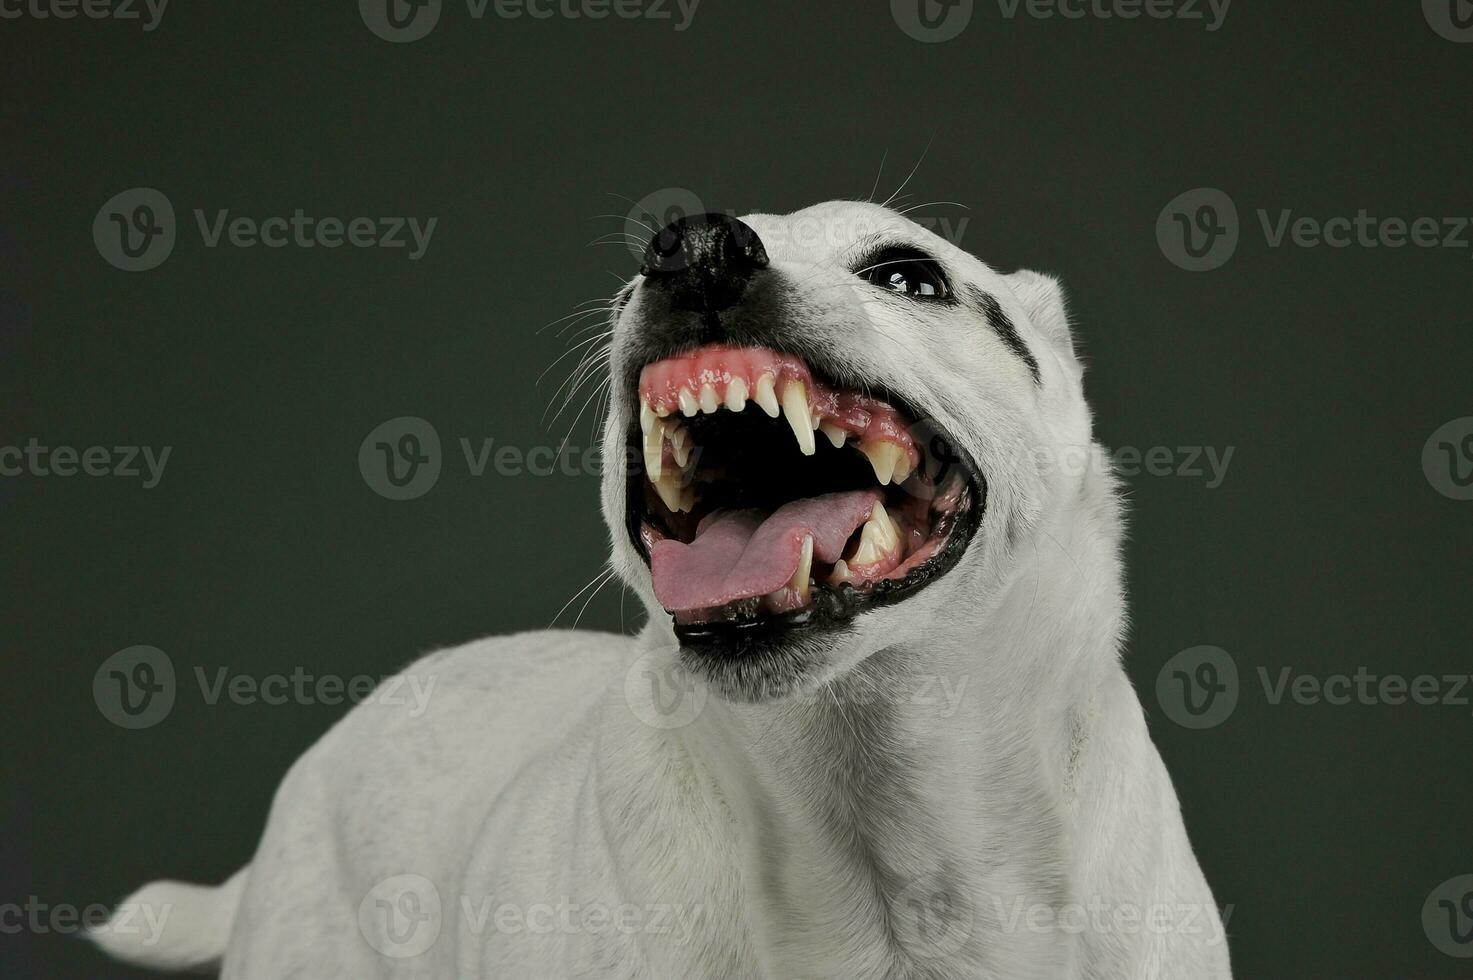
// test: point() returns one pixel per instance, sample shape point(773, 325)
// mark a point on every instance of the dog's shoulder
point(476, 710)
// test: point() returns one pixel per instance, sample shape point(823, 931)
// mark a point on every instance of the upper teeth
point(736, 395)
point(795, 410)
point(890, 460)
point(765, 395)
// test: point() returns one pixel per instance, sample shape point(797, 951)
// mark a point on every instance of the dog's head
point(828, 433)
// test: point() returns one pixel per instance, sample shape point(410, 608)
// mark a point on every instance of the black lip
point(832, 608)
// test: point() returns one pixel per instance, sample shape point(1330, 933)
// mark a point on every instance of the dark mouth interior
point(748, 462)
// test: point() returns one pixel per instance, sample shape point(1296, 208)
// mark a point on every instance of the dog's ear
point(1043, 300)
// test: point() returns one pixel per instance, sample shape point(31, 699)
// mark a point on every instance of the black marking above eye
point(1003, 326)
point(907, 271)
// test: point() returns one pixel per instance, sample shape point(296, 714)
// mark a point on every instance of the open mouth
point(771, 499)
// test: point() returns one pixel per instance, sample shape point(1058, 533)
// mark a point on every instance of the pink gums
point(865, 418)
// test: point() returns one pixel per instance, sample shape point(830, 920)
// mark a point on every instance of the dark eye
point(908, 272)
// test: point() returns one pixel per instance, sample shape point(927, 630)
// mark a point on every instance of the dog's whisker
point(606, 570)
point(568, 353)
point(932, 204)
point(591, 596)
point(574, 424)
point(626, 217)
point(587, 369)
point(906, 181)
point(875, 189)
point(578, 311)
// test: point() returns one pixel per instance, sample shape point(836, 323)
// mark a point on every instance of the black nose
point(704, 261)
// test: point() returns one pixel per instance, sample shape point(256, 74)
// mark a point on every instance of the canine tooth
point(736, 395)
point(766, 395)
point(835, 434)
point(878, 536)
point(688, 404)
point(801, 575)
point(709, 403)
point(682, 448)
point(668, 487)
point(795, 408)
point(884, 457)
point(654, 445)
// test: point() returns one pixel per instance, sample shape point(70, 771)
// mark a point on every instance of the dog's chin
point(769, 660)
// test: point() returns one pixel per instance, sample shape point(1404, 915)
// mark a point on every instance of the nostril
point(665, 252)
point(704, 261)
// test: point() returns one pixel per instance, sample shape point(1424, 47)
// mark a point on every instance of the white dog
point(876, 725)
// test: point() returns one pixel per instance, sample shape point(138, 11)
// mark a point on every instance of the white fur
point(972, 762)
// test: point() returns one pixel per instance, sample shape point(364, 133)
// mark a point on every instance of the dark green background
point(263, 549)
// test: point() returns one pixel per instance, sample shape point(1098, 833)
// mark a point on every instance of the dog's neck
point(938, 771)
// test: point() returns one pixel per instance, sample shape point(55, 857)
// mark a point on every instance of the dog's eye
point(908, 272)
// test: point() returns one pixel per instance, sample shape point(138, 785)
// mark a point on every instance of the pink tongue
point(738, 554)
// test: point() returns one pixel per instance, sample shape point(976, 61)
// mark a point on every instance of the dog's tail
point(170, 925)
